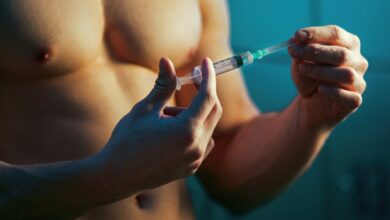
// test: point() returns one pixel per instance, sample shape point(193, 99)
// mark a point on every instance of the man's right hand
point(155, 144)
point(151, 146)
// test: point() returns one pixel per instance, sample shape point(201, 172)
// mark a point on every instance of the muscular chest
point(46, 37)
point(108, 51)
point(144, 31)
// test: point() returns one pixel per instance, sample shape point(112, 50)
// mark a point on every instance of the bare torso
point(69, 70)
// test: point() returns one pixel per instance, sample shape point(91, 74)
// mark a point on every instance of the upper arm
point(215, 43)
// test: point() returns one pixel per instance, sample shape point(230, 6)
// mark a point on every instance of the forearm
point(263, 157)
point(51, 191)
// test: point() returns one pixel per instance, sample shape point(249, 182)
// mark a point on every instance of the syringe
point(230, 63)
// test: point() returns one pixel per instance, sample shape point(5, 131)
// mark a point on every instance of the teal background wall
point(351, 177)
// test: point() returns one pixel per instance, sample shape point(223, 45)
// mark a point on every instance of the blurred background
point(351, 177)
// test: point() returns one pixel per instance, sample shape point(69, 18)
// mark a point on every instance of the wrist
point(95, 180)
point(310, 119)
point(104, 179)
point(112, 177)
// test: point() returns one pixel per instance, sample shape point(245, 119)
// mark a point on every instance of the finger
point(331, 34)
point(164, 87)
point(346, 77)
point(209, 147)
point(350, 100)
point(173, 110)
point(206, 97)
point(214, 117)
point(325, 54)
point(306, 86)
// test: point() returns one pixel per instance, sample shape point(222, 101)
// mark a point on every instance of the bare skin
point(66, 83)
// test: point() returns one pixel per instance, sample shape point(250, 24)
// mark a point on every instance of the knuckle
point(336, 32)
point(365, 64)
point(350, 75)
point(194, 124)
point(195, 154)
point(311, 50)
point(333, 50)
point(190, 134)
point(211, 143)
point(189, 137)
point(219, 110)
point(357, 101)
point(338, 93)
point(343, 56)
point(314, 51)
point(356, 40)
point(313, 34)
point(190, 124)
point(210, 97)
point(363, 86)
point(161, 85)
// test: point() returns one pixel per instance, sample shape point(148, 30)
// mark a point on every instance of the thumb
point(165, 84)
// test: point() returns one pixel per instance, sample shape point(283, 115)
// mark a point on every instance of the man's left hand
point(328, 71)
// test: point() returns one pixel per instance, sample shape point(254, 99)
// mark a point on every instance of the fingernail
point(166, 73)
point(205, 65)
point(301, 35)
point(164, 66)
point(206, 61)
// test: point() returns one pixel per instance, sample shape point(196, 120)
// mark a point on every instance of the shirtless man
point(70, 70)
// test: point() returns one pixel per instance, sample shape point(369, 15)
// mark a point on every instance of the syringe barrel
point(232, 63)
point(220, 67)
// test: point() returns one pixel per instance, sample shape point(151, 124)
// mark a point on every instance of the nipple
point(144, 201)
point(44, 54)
